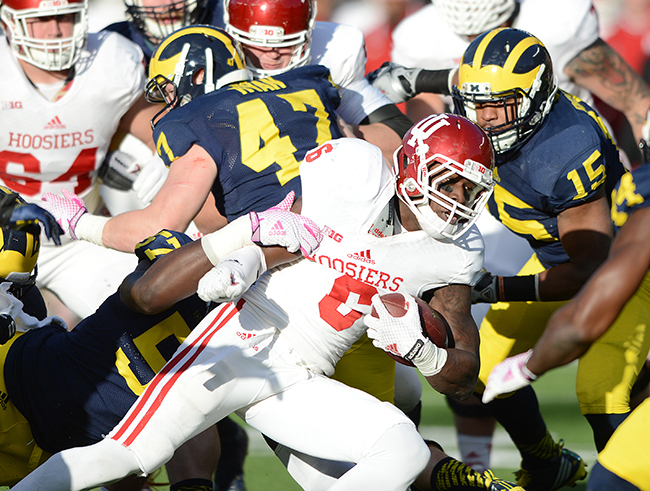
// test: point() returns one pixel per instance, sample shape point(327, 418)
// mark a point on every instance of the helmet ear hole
point(198, 77)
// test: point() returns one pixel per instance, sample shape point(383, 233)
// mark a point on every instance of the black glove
point(485, 289)
point(31, 214)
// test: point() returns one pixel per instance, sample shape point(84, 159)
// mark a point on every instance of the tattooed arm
point(605, 74)
point(458, 377)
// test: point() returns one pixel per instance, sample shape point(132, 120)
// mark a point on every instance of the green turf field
point(263, 472)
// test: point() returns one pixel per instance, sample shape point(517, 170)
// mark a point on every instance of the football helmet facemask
point(472, 17)
point(156, 23)
point(438, 149)
point(513, 68)
point(48, 54)
point(19, 250)
point(273, 24)
point(192, 61)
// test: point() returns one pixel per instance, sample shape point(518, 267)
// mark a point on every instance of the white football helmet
point(158, 22)
point(49, 54)
point(472, 17)
point(436, 150)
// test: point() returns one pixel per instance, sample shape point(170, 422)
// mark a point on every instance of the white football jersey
point(342, 49)
point(346, 187)
point(425, 40)
point(50, 146)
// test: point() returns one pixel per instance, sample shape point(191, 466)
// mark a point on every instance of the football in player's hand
point(434, 325)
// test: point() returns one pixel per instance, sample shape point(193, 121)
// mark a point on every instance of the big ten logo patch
point(11, 105)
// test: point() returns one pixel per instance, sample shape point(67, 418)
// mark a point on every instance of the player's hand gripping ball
point(433, 325)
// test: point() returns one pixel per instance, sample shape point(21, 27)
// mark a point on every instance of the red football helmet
point(48, 54)
point(273, 23)
point(435, 150)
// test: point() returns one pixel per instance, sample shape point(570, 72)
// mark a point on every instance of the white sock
point(475, 451)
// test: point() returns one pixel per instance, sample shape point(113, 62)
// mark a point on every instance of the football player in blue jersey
point(224, 137)
point(611, 296)
point(69, 388)
point(584, 65)
point(556, 167)
point(290, 24)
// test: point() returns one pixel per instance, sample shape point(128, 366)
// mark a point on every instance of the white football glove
point(278, 226)
point(403, 336)
point(234, 274)
point(150, 178)
point(396, 81)
point(66, 209)
point(508, 376)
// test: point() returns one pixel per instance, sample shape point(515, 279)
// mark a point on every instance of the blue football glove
point(31, 214)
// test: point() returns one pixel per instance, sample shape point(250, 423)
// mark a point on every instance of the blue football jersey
point(257, 133)
point(631, 193)
point(564, 164)
point(74, 387)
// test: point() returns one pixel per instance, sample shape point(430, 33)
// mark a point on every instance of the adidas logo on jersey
point(277, 229)
point(245, 335)
point(363, 256)
point(55, 124)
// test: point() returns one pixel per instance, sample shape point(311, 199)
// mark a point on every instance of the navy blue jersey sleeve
point(566, 162)
point(173, 138)
point(631, 193)
point(580, 179)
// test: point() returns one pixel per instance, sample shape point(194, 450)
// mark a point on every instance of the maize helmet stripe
point(516, 66)
point(507, 66)
point(165, 62)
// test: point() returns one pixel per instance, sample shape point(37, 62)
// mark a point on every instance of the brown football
point(434, 325)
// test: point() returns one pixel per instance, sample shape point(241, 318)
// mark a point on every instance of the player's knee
point(108, 458)
point(407, 450)
point(471, 408)
point(408, 388)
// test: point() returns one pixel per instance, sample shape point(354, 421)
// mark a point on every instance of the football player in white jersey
point(584, 65)
point(65, 93)
point(278, 36)
point(267, 355)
